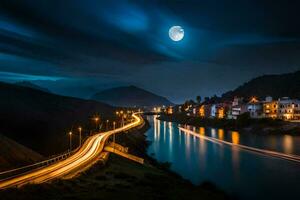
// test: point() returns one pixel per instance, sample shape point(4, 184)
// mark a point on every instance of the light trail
point(290, 157)
point(84, 157)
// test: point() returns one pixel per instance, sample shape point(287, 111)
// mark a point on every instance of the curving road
point(289, 157)
point(85, 156)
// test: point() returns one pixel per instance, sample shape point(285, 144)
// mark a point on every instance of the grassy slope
point(119, 179)
point(13, 154)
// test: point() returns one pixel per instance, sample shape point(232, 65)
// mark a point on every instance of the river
point(242, 173)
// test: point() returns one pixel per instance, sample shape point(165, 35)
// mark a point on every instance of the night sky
point(80, 47)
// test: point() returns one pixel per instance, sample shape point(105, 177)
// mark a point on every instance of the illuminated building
point(202, 111)
point(217, 111)
point(238, 108)
point(270, 108)
point(205, 110)
point(255, 108)
point(288, 109)
point(170, 110)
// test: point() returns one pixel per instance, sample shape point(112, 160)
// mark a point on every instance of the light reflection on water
point(288, 144)
point(248, 175)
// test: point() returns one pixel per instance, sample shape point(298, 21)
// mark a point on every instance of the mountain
point(130, 96)
point(41, 120)
point(13, 154)
point(31, 85)
point(284, 85)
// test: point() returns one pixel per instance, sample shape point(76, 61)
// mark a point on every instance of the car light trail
point(290, 157)
point(85, 156)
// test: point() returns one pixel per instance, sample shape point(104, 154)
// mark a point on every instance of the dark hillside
point(40, 120)
point(130, 96)
point(284, 85)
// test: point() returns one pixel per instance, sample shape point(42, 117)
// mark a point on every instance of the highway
point(85, 156)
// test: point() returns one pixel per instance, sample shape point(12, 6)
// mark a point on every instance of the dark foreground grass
point(119, 179)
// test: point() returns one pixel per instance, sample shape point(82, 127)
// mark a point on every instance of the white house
point(288, 109)
point(255, 108)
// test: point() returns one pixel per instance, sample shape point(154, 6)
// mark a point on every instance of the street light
point(80, 129)
point(96, 121)
point(114, 136)
point(122, 120)
point(107, 124)
point(70, 134)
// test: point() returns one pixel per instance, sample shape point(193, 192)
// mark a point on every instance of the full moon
point(176, 33)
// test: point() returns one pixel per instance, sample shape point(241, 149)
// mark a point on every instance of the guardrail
point(28, 168)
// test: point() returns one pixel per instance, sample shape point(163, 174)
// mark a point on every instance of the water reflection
point(170, 138)
point(221, 134)
point(213, 133)
point(165, 131)
point(288, 144)
point(221, 137)
point(249, 175)
point(202, 131)
point(235, 137)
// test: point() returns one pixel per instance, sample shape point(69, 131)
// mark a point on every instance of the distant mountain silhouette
point(284, 85)
point(31, 85)
point(40, 120)
point(130, 96)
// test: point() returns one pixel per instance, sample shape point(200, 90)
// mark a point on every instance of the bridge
point(122, 151)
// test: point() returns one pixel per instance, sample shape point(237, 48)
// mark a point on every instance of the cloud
point(14, 77)
point(128, 40)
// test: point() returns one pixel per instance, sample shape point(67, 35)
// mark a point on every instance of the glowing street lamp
point(107, 124)
point(79, 129)
point(114, 123)
point(96, 119)
point(70, 134)
point(114, 136)
point(123, 120)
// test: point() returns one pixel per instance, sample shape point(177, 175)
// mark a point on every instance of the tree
point(198, 99)
point(206, 99)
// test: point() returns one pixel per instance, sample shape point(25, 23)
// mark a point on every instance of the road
point(289, 157)
point(85, 156)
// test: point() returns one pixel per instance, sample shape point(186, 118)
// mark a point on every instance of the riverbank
point(242, 124)
point(121, 179)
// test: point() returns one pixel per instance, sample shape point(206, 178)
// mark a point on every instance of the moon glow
point(176, 33)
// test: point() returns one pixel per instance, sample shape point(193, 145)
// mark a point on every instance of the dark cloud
point(125, 42)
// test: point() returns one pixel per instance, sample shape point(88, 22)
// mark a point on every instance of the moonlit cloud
point(118, 43)
point(13, 77)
